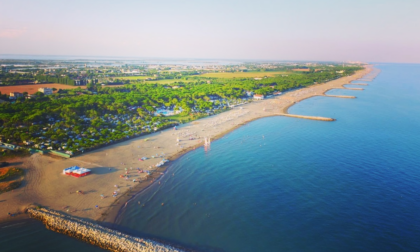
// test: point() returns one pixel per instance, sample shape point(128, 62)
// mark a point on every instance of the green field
point(207, 75)
point(168, 81)
point(142, 79)
point(133, 77)
point(179, 117)
point(243, 74)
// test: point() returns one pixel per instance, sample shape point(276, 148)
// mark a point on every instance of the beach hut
point(76, 171)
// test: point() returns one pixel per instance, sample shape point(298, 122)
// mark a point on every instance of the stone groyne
point(342, 96)
point(352, 88)
point(95, 234)
point(317, 118)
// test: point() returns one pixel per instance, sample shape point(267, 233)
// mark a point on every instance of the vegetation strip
point(76, 121)
point(10, 173)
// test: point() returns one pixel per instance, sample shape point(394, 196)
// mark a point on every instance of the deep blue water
point(31, 235)
point(348, 185)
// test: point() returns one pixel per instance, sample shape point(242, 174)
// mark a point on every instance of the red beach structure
point(76, 171)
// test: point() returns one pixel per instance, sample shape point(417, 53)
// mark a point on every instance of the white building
point(258, 97)
point(46, 91)
point(249, 93)
point(15, 95)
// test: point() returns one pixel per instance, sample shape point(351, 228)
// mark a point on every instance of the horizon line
point(133, 58)
point(90, 57)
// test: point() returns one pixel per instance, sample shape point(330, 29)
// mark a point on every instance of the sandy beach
point(45, 184)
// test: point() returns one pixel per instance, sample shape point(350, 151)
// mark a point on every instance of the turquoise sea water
point(348, 185)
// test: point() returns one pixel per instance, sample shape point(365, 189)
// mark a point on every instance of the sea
point(287, 184)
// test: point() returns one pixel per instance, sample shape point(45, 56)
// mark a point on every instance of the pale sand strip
point(46, 185)
point(352, 88)
point(342, 96)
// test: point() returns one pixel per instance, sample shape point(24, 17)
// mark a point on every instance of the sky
point(320, 30)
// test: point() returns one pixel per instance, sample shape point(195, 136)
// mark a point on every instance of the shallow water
point(348, 185)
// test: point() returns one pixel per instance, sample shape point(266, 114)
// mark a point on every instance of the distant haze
point(358, 30)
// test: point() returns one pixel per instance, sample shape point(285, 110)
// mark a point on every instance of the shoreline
point(113, 215)
point(47, 187)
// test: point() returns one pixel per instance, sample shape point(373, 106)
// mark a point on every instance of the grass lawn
point(179, 117)
point(168, 81)
point(133, 77)
point(10, 178)
point(10, 173)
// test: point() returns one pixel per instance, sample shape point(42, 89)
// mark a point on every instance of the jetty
point(360, 84)
point(317, 118)
point(95, 234)
point(352, 88)
point(342, 96)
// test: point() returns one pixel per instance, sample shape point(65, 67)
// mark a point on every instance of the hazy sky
point(365, 30)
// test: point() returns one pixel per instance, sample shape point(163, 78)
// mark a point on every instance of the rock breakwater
point(95, 234)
